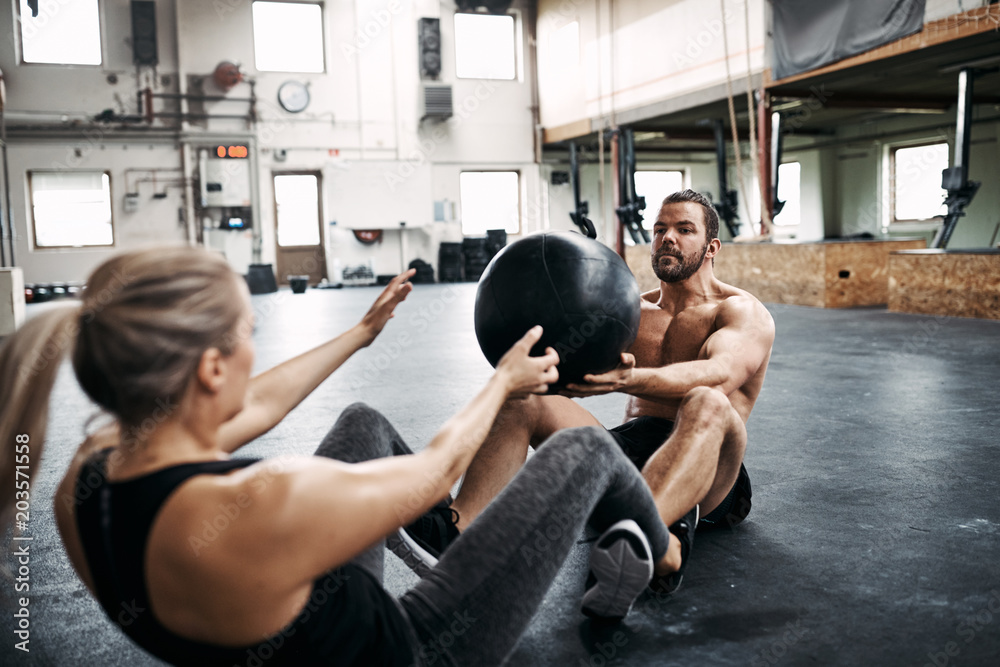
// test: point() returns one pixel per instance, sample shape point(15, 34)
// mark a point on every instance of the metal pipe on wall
point(189, 214)
point(616, 190)
point(255, 213)
point(764, 151)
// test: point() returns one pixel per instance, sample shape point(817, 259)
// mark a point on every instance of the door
point(299, 226)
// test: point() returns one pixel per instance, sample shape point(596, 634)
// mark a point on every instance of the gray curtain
point(811, 33)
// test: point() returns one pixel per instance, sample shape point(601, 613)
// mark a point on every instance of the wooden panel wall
point(857, 273)
point(823, 275)
point(940, 282)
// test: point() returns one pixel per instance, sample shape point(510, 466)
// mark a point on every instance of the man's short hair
point(711, 215)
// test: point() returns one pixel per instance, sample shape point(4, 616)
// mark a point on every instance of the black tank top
point(349, 618)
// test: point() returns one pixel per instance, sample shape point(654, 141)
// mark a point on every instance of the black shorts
point(734, 508)
point(641, 437)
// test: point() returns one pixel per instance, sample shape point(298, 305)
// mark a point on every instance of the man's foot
point(421, 544)
point(621, 564)
point(683, 530)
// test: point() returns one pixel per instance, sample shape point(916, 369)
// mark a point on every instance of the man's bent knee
point(705, 401)
point(516, 414)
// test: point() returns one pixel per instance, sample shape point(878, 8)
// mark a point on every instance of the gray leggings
point(473, 606)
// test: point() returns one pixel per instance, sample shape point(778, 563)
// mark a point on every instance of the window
point(915, 181)
point(71, 208)
point(789, 175)
point(484, 46)
point(490, 200)
point(296, 198)
point(67, 32)
point(288, 36)
point(655, 186)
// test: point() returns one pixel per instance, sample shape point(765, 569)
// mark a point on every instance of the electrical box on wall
point(225, 182)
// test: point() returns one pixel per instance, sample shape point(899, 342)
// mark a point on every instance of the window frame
point(19, 42)
point(518, 38)
point(520, 199)
point(892, 148)
point(322, 27)
point(31, 208)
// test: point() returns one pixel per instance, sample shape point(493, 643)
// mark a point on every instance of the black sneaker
point(421, 544)
point(621, 564)
point(683, 530)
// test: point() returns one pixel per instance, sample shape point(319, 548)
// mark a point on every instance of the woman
point(204, 559)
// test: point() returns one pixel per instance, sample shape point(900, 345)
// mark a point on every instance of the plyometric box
point(825, 274)
point(956, 283)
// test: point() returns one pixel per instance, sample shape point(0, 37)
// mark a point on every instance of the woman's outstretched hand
point(382, 310)
point(524, 374)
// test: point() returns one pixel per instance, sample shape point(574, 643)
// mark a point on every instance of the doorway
point(299, 226)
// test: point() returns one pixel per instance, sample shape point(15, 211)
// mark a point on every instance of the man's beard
point(675, 272)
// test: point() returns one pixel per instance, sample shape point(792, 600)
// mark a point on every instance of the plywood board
point(965, 284)
point(774, 273)
point(857, 272)
point(823, 275)
point(638, 259)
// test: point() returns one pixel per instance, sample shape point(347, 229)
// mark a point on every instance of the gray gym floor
point(875, 532)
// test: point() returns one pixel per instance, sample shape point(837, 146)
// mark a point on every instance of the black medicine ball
point(579, 290)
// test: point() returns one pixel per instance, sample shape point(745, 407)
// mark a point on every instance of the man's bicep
point(741, 343)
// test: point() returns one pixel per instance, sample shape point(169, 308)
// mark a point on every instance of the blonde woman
point(290, 572)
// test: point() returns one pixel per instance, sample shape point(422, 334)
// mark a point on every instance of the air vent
point(437, 102)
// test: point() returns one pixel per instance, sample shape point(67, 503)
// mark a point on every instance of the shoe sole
point(622, 564)
point(412, 554)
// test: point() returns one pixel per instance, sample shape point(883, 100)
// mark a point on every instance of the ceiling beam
point(836, 100)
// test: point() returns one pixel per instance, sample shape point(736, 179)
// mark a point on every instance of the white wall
point(60, 100)
point(365, 106)
point(811, 195)
point(862, 177)
point(637, 53)
point(157, 221)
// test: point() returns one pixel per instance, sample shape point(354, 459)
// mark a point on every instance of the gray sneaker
point(621, 564)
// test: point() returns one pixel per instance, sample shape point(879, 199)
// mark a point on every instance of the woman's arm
point(274, 393)
point(347, 508)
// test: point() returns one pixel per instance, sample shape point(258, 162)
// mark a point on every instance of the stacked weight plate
point(476, 257)
point(450, 263)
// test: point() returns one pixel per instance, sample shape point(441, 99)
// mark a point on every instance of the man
point(692, 377)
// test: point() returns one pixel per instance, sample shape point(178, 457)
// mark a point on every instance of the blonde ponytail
point(29, 361)
point(145, 319)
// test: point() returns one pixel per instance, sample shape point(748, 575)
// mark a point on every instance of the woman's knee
point(360, 415)
point(590, 441)
point(359, 409)
point(360, 433)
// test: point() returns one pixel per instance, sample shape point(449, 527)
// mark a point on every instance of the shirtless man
point(692, 377)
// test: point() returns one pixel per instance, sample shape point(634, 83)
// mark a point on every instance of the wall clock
point(293, 96)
